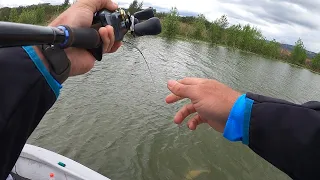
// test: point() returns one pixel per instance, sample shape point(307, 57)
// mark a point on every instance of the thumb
point(179, 89)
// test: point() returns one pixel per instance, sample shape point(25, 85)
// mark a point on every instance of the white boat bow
point(37, 163)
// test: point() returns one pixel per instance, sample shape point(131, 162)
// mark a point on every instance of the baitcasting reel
point(139, 24)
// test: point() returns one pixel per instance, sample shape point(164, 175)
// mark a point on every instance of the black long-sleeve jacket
point(25, 97)
point(285, 134)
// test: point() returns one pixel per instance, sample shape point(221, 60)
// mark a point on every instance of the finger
point(180, 89)
point(194, 122)
point(96, 5)
point(115, 47)
point(184, 112)
point(111, 37)
point(105, 38)
point(173, 98)
point(82, 65)
point(191, 81)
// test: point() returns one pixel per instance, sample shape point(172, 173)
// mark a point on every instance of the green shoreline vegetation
point(243, 37)
point(40, 14)
point(218, 32)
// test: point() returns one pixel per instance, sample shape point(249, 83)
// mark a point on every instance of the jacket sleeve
point(27, 92)
point(287, 135)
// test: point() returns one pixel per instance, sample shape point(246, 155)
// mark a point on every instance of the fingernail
point(114, 3)
point(171, 83)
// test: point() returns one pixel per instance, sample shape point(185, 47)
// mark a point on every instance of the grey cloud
point(287, 16)
point(306, 4)
point(276, 12)
point(237, 16)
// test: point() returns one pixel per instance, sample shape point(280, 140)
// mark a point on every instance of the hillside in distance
point(290, 48)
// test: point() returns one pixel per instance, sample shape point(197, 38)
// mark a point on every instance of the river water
point(115, 121)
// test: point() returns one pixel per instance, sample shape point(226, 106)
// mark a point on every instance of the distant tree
point(274, 49)
point(234, 36)
point(135, 6)
point(199, 27)
point(171, 23)
point(215, 33)
point(222, 22)
point(251, 37)
point(217, 29)
point(14, 16)
point(5, 13)
point(66, 3)
point(299, 54)
point(40, 15)
point(28, 17)
point(316, 62)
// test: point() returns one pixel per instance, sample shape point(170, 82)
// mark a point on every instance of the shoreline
point(179, 37)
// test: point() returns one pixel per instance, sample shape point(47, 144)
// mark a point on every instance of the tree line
point(40, 14)
point(244, 37)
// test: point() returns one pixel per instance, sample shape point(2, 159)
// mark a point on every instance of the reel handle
point(144, 14)
point(151, 26)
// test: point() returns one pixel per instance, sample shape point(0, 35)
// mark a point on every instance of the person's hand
point(210, 99)
point(81, 14)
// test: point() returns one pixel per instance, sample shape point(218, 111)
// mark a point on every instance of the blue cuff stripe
point(55, 86)
point(234, 126)
point(237, 126)
point(246, 122)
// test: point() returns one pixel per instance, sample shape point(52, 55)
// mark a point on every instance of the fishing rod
point(139, 24)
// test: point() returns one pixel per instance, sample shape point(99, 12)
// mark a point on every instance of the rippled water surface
point(115, 120)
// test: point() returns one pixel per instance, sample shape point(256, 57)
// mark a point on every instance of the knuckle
point(106, 43)
point(189, 108)
point(110, 28)
point(178, 88)
point(183, 113)
point(198, 118)
point(185, 79)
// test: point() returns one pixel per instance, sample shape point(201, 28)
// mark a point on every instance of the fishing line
point(145, 60)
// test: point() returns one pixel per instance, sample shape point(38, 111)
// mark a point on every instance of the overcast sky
point(284, 20)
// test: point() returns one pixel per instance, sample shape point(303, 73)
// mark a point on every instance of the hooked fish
point(195, 173)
